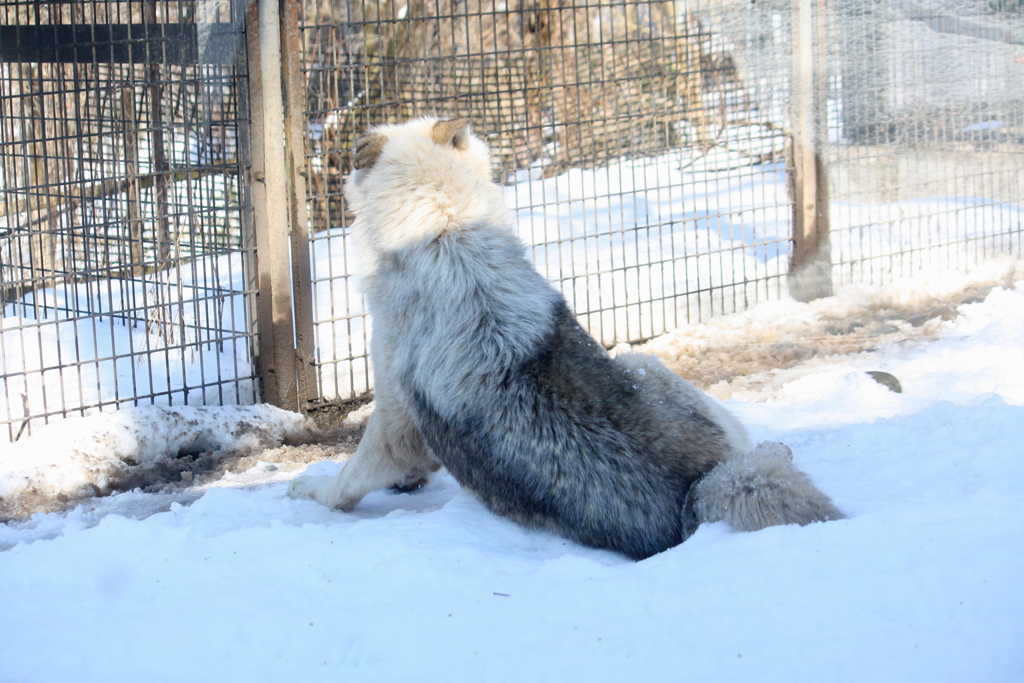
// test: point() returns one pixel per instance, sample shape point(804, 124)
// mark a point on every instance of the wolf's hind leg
point(761, 489)
point(661, 382)
point(391, 453)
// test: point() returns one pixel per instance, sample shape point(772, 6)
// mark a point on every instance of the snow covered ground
point(233, 581)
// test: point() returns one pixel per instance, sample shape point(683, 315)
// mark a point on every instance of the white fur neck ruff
point(423, 178)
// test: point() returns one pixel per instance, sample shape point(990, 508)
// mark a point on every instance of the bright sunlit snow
point(236, 582)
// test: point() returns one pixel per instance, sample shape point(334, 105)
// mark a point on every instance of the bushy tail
point(760, 489)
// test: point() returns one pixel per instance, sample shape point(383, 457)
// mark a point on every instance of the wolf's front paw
point(310, 488)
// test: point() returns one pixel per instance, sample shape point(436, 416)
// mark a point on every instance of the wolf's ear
point(453, 133)
point(367, 149)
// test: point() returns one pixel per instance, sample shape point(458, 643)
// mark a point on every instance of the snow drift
point(84, 457)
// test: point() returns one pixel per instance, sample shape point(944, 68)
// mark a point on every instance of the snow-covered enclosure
point(236, 581)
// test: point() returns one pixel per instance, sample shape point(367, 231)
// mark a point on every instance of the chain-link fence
point(124, 255)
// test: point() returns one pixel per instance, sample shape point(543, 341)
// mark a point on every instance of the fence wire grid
point(123, 250)
point(647, 177)
point(925, 134)
point(647, 147)
point(666, 161)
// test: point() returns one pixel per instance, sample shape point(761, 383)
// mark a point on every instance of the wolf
point(480, 366)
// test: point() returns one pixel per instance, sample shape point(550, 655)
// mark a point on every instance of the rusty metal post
point(810, 270)
point(279, 212)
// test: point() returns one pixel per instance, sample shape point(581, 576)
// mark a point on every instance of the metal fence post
point(279, 211)
point(810, 270)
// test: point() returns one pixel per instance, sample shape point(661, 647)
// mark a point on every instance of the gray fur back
point(527, 410)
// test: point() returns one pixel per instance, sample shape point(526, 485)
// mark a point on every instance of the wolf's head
point(417, 180)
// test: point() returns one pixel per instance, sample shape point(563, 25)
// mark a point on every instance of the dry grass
point(548, 82)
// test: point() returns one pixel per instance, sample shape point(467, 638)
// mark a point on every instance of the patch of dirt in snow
point(742, 355)
point(240, 467)
point(160, 450)
point(252, 465)
point(181, 480)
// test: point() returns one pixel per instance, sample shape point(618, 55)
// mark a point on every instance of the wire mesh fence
point(925, 134)
point(124, 274)
point(646, 174)
point(669, 161)
point(666, 161)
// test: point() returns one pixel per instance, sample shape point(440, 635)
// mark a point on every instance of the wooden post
point(278, 196)
point(810, 270)
point(295, 139)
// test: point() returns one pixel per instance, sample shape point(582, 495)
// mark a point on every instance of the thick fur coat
point(480, 366)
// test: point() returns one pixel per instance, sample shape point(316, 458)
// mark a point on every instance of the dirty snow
point(81, 457)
